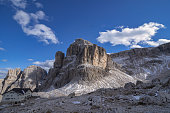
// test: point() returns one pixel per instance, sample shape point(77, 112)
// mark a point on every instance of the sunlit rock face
point(32, 77)
point(88, 53)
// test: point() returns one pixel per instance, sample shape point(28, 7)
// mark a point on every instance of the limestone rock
point(88, 53)
point(85, 68)
point(32, 77)
point(1, 80)
point(145, 63)
point(12, 76)
point(59, 57)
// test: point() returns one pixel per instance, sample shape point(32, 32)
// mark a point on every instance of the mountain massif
point(87, 79)
point(87, 67)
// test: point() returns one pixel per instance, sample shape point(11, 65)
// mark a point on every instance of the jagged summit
point(32, 77)
point(81, 42)
point(87, 53)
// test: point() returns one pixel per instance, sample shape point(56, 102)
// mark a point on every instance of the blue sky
point(31, 31)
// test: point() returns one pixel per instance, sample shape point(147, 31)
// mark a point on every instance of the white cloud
point(157, 43)
point(2, 49)
point(19, 3)
point(132, 36)
point(30, 59)
point(22, 18)
point(45, 65)
point(163, 41)
point(136, 46)
point(41, 31)
point(39, 15)
point(38, 5)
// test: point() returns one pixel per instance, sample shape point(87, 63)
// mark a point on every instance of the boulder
point(129, 85)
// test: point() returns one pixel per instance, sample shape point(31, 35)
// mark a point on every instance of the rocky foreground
point(140, 98)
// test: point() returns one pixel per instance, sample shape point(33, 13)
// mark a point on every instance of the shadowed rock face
point(145, 63)
point(85, 63)
point(32, 77)
point(59, 57)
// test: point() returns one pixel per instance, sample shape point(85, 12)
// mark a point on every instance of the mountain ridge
point(87, 67)
point(144, 63)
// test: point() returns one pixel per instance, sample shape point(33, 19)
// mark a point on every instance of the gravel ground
point(97, 102)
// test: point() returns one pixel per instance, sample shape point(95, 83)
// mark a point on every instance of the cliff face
point(88, 53)
point(32, 77)
point(87, 67)
point(145, 63)
point(12, 76)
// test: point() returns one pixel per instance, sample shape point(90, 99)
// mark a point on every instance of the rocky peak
point(77, 46)
point(13, 73)
point(81, 42)
point(85, 65)
point(88, 53)
point(12, 76)
point(32, 77)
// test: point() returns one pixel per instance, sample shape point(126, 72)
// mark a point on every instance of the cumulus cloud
point(19, 3)
point(38, 5)
point(136, 46)
point(39, 15)
point(22, 18)
point(45, 65)
point(30, 22)
point(157, 43)
point(132, 37)
point(41, 31)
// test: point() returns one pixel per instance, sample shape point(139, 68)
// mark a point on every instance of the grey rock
point(85, 63)
point(32, 77)
point(129, 85)
point(59, 57)
point(144, 63)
